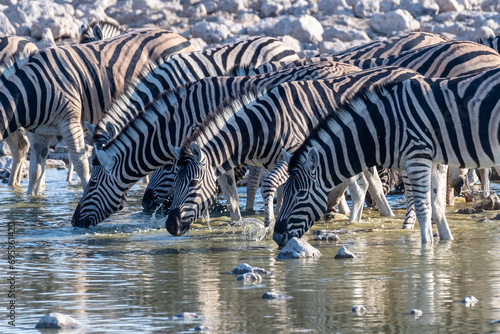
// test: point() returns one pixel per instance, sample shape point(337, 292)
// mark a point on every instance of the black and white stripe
point(412, 125)
point(146, 143)
point(253, 129)
point(57, 88)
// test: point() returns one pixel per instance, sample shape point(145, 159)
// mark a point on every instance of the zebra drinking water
point(412, 125)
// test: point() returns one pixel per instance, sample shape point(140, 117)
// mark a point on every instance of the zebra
point(99, 30)
point(492, 42)
point(412, 125)
point(162, 179)
point(253, 129)
point(146, 143)
point(15, 49)
point(74, 83)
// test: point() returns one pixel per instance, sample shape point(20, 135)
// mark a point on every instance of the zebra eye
point(302, 193)
point(193, 182)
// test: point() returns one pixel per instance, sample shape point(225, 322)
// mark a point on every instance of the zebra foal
point(411, 125)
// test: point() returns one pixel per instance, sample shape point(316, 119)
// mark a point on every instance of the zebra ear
point(110, 129)
point(90, 128)
point(286, 155)
point(195, 150)
point(98, 32)
point(175, 151)
point(312, 159)
point(104, 159)
point(84, 27)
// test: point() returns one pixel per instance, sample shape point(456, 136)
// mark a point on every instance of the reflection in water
point(128, 274)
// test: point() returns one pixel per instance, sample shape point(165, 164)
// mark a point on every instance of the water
point(129, 275)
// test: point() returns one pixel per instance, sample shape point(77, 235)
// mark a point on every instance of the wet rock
point(58, 321)
point(497, 217)
point(246, 268)
point(416, 312)
point(249, 277)
point(275, 295)
point(185, 316)
point(344, 253)
point(491, 202)
point(358, 309)
point(340, 231)
point(468, 211)
point(200, 328)
point(327, 236)
point(496, 322)
point(393, 22)
point(210, 32)
point(469, 301)
point(298, 248)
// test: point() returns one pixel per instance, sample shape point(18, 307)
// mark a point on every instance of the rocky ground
point(311, 27)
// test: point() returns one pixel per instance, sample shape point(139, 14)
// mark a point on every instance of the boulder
point(210, 32)
point(392, 23)
point(331, 7)
point(275, 295)
point(249, 277)
point(58, 321)
point(420, 7)
point(291, 42)
point(305, 28)
point(247, 19)
point(198, 43)
point(197, 11)
point(297, 248)
point(345, 34)
point(47, 40)
point(448, 6)
point(232, 6)
point(270, 8)
point(366, 8)
point(492, 202)
point(4, 148)
point(344, 253)
point(246, 268)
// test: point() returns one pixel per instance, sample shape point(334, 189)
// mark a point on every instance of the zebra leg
point(450, 192)
point(484, 176)
point(270, 184)
point(279, 198)
point(357, 187)
point(19, 148)
point(375, 189)
point(253, 182)
point(336, 197)
point(343, 207)
point(228, 186)
point(77, 150)
point(38, 157)
point(438, 184)
point(410, 217)
point(69, 178)
point(418, 171)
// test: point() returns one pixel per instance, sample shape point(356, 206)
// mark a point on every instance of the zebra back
point(189, 67)
point(391, 46)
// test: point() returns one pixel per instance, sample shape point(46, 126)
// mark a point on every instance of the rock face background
point(309, 26)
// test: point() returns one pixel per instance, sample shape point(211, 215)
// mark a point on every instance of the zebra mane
point(217, 119)
point(490, 41)
point(331, 123)
point(114, 114)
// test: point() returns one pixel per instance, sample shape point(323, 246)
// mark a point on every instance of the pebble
point(469, 301)
point(275, 295)
point(344, 253)
point(246, 268)
point(358, 309)
point(298, 248)
point(58, 321)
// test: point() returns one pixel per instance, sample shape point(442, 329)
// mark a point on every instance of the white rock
point(329, 7)
point(366, 8)
point(416, 312)
point(420, 7)
point(275, 295)
point(448, 6)
point(8, 2)
point(390, 5)
point(327, 236)
point(393, 22)
point(490, 5)
point(291, 42)
point(469, 301)
point(358, 309)
point(332, 46)
point(47, 40)
point(345, 34)
point(61, 26)
point(305, 28)
point(303, 7)
point(248, 19)
point(246, 268)
point(210, 32)
point(185, 316)
point(274, 7)
point(198, 43)
point(344, 253)
point(6, 28)
point(249, 277)
point(59, 321)
point(298, 248)
point(197, 11)
point(4, 148)
point(232, 6)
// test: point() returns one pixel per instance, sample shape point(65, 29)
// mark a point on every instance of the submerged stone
point(358, 309)
point(246, 268)
point(344, 253)
point(469, 301)
point(275, 295)
point(416, 312)
point(185, 316)
point(58, 321)
point(327, 236)
point(200, 328)
point(248, 277)
point(298, 248)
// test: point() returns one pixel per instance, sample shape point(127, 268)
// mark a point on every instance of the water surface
point(129, 275)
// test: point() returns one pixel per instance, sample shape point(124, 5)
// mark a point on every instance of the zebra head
point(304, 200)
point(195, 188)
point(103, 195)
point(160, 188)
